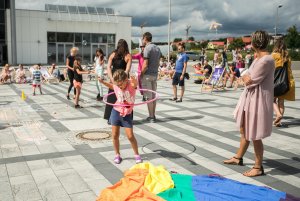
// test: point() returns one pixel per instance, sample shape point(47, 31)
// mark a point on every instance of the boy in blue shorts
point(180, 69)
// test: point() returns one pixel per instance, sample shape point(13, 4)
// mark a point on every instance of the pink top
point(126, 96)
point(139, 57)
point(239, 64)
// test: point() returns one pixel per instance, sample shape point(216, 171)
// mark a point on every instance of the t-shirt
point(209, 68)
point(237, 72)
point(36, 76)
point(126, 96)
point(152, 53)
point(78, 77)
point(181, 59)
point(71, 61)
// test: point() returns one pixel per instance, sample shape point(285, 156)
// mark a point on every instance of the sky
point(238, 17)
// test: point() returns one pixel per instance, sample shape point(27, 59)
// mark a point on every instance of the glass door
point(63, 50)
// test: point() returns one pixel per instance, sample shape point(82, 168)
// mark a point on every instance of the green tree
point(204, 44)
point(292, 38)
point(134, 45)
point(177, 40)
point(191, 38)
point(236, 43)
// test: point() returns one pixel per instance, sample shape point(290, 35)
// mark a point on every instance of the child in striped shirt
point(36, 79)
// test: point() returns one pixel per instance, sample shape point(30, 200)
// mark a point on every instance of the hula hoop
point(135, 104)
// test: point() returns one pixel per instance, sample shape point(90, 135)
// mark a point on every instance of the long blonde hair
point(280, 47)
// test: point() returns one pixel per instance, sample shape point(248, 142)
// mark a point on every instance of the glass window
point(51, 53)
point(101, 11)
point(111, 38)
point(99, 38)
point(86, 54)
point(2, 4)
point(79, 46)
point(86, 38)
point(51, 36)
point(2, 32)
point(78, 37)
point(65, 37)
point(52, 8)
point(62, 8)
point(2, 18)
point(110, 11)
point(110, 49)
point(73, 9)
point(92, 10)
point(82, 10)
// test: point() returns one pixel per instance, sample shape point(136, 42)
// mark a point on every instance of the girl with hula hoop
point(121, 114)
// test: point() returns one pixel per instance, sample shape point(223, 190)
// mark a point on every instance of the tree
point(236, 43)
point(204, 44)
point(177, 40)
point(191, 38)
point(292, 38)
point(134, 45)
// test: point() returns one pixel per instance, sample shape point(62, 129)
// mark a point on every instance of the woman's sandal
point(260, 170)
point(232, 161)
point(277, 120)
point(173, 99)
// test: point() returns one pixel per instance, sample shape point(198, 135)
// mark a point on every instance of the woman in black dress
point(69, 65)
point(119, 59)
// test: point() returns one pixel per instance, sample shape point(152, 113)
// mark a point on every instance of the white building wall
point(32, 28)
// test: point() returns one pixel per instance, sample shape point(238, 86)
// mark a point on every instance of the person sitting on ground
point(197, 68)
point(5, 75)
point(233, 75)
point(54, 72)
point(21, 75)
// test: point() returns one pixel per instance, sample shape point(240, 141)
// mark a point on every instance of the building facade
point(47, 36)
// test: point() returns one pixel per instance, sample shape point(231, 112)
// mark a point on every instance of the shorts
point(149, 82)
point(36, 85)
point(177, 81)
point(77, 84)
point(117, 120)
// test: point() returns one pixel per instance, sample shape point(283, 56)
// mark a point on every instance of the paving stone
point(17, 169)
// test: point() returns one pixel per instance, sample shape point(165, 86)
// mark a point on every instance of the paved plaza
point(42, 159)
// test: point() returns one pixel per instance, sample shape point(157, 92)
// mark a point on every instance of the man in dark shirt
point(207, 69)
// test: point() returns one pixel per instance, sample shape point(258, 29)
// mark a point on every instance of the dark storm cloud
point(238, 17)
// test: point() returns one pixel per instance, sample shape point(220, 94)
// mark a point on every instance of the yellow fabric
point(158, 179)
point(129, 188)
point(290, 95)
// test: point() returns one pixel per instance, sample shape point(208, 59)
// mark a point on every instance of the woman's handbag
point(281, 80)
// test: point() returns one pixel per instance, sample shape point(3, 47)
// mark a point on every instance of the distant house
point(215, 45)
point(229, 41)
point(246, 40)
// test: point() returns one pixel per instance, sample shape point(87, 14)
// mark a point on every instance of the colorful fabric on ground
point(205, 188)
point(158, 179)
point(129, 188)
point(182, 191)
point(220, 189)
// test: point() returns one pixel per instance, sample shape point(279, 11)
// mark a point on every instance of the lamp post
point(276, 23)
point(169, 32)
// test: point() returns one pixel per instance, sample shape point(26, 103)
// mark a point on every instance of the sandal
point(260, 169)
point(277, 120)
point(179, 100)
point(233, 162)
point(173, 99)
point(78, 106)
point(118, 159)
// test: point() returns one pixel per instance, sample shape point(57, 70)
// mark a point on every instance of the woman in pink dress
point(140, 58)
point(254, 111)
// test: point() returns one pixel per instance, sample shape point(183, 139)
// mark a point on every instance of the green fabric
point(182, 190)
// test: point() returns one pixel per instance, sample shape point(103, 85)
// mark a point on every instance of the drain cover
point(94, 135)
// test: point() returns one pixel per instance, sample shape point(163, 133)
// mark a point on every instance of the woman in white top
point(99, 69)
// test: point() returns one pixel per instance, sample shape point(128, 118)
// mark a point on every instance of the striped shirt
point(36, 76)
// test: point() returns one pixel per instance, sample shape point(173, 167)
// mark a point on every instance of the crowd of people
point(253, 113)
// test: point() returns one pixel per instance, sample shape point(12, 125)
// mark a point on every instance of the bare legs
point(78, 91)
point(130, 136)
point(278, 106)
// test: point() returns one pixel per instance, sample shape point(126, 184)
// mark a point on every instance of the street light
point(276, 23)
point(169, 32)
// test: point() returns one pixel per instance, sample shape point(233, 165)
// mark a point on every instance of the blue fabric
point(237, 72)
point(211, 188)
point(176, 79)
point(117, 120)
point(36, 75)
point(181, 59)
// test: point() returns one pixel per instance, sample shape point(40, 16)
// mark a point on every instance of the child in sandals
point(121, 116)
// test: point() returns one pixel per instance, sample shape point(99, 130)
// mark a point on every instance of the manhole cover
point(94, 135)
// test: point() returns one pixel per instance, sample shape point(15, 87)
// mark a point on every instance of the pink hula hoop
point(135, 104)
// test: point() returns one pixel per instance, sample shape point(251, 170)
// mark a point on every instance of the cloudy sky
point(238, 17)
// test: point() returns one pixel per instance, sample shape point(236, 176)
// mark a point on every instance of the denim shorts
point(117, 120)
